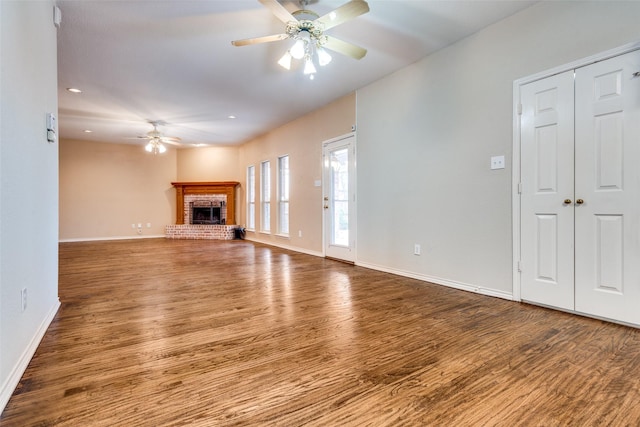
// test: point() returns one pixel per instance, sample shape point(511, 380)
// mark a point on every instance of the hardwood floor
point(223, 333)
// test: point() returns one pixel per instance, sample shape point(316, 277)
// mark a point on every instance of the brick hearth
point(197, 231)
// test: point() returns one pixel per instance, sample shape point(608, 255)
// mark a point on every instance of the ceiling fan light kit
point(309, 36)
point(155, 147)
point(156, 139)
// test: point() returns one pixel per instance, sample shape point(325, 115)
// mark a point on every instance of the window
point(265, 196)
point(283, 195)
point(251, 197)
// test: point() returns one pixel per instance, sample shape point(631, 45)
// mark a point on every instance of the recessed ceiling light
point(87, 131)
point(231, 117)
point(74, 90)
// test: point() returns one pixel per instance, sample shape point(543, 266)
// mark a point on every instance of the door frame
point(516, 159)
point(353, 208)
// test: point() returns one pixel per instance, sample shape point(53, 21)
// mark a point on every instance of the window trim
point(280, 200)
point(265, 196)
point(251, 197)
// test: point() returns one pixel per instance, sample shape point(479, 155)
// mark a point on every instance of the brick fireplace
point(204, 210)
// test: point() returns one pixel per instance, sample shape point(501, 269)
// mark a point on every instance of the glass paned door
point(339, 198)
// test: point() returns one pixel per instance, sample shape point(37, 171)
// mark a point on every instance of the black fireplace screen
point(206, 215)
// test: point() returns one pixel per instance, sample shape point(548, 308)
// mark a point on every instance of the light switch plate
point(497, 162)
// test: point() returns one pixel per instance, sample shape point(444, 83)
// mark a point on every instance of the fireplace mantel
point(224, 187)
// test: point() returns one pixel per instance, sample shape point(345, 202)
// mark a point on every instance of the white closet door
point(607, 238)
point(547, 174)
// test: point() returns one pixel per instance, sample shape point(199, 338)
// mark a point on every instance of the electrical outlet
point(23, 298)
point(148, 225)
point(133, 226)
point(416, 249)
point(299, 233)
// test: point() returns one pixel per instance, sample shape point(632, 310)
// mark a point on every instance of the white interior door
point(339, 198)
point(547, 191)
point(580, 201)
point(608, 184)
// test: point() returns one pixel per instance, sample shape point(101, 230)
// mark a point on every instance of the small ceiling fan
point(309, 34)
point(156, 139)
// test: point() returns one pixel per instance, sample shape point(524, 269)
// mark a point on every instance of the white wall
point(427, 132)
point(28, 184)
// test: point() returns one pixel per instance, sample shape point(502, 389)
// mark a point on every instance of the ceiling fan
point(156, 139)
point(309, 34)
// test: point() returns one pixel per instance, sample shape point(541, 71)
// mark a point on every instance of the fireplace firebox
point(208, 213)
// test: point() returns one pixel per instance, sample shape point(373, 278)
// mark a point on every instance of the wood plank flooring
point(231, 333)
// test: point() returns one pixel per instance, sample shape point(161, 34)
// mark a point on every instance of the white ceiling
point(172, 61)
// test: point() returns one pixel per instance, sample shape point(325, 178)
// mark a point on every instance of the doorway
point(339, 201)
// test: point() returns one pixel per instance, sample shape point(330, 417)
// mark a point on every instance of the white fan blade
point(345, 48)
point(278, 10)
point(257, 40)
point(170, 139)
point(344, 13)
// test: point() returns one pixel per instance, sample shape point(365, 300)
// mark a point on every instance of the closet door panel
point(607, 181)
point(547, 181)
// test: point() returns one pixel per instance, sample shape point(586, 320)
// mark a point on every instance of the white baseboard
point(439, 281)
point(18, 370)
point(288, 247)
point(99, 239)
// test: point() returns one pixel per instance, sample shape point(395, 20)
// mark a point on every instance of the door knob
point(326, 198)
point(326, 206)
point(579, 202)
point(567, 201)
